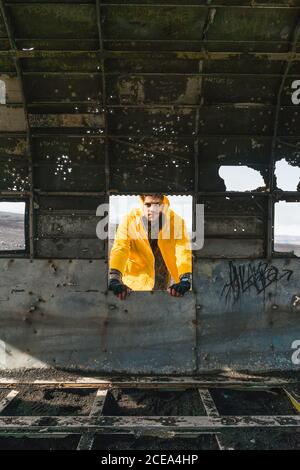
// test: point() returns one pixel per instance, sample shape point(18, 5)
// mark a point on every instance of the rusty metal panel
point(70, 203)
point(187, 46)
point(289, 149)
point(236, 119)
point(86, 148)
point(152, 165)
point(171, 120)
point(246, 63)
point(234, 226)
point(6, 63)
point(58, 163)
point(235, 89)
point(13, 89)
point(153, 22)
point(249, 120)
point(234, 150)
point(150, 22)
point(2, 27)
point(70, 248)
point(162, 122)
point(4, 46)
point(46, 20)
point(90, 112)
point(13, 146)
point(56, 65)
point(12, 119)
point(256, 89)
point(151, 65)
point(64, 88)
point(254, 323)
point(287, 4)
point(58, 313)
point(289, 122)
point(153, 339)
point(249, 205)
point(87, 45)
point(159, 89)
point(252, 24)
point(231, 248)
point(74, 225)
point(55, 178)
point(14, 175)
point(66, 227)
point(283, 298)
point(67, 120)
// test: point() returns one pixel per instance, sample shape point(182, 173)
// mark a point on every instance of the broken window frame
point(193, 203)
point(278, 188)
point(25, 252)
point(290, 197)
point(265, 182)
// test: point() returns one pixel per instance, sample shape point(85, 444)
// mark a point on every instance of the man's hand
point(119, 289)
point(183, 286)
point(179, 289)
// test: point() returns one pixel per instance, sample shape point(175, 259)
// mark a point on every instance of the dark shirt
point(162, 276)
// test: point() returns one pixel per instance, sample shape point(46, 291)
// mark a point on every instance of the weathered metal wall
point(58, 313)
point(248, 314)
point(122, 97)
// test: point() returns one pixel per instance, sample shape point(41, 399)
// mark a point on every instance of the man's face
point(152, 207)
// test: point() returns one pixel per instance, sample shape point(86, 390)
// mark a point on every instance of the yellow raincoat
point(132, 255)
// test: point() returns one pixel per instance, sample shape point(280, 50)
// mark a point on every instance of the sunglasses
point(149, 204)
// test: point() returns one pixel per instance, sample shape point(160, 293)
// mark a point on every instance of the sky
point(243, 178)
point(240, 178)
point(121, 205)
point(287, 219)
point(16, 207)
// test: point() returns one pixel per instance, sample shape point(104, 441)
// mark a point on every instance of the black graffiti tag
point(243, 278)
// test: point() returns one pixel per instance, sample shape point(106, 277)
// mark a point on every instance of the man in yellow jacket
point(151, 250)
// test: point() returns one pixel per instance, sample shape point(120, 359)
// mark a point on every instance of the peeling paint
point(131, 89)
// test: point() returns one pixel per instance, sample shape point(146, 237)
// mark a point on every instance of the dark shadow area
point(262, 439)
point(251, 403)
point(33, 401)
point(129, 402)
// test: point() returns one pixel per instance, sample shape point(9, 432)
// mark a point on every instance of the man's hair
point(143, 196)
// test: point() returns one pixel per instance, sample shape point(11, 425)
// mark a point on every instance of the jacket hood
point(165, 201)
